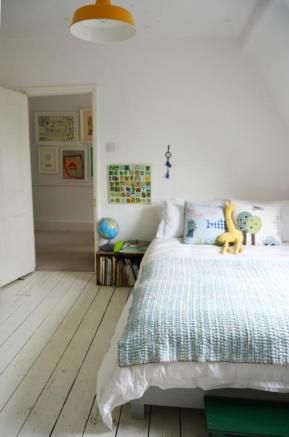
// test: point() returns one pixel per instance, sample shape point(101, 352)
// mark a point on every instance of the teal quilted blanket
point(209, 310)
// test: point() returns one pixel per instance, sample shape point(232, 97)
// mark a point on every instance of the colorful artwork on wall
point(129, 184)
point(86, 125)
point(47, 160)
point(74, 164)
point(56, 128)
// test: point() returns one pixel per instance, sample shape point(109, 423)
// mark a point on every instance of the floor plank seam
point(39, 326)
point(73, 382)
point(48, 386)
point(28, 286)
point(15, 297)
point(55, 367)
point(14, 309)
point(149, 420)
point(89, 415)
point(118, 422)
point(28, 315)
point(43, 349)
point(13, 285)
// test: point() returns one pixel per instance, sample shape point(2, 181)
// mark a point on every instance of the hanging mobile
point(168, 155)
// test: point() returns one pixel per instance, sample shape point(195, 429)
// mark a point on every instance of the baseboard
point(47, 225)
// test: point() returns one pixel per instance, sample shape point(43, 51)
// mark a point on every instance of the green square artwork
point(131, 184)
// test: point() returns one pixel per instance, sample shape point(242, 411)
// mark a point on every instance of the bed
point(144, 383)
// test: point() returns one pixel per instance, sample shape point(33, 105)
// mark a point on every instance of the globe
point(107, 228)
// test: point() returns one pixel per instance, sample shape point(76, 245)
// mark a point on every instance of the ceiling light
point(102, 22)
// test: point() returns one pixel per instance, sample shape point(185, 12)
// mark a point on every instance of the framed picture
point(73, 164)
point(48, 160)
point(56, 128)
point(86, 125)
point(129, 184)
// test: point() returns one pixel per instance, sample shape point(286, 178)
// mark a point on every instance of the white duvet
point(116, 386)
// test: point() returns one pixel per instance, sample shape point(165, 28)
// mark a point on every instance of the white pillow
point(160, 230)
point(173, 217)
point(285, 220)
point(260, 222)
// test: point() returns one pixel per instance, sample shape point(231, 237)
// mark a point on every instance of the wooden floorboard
point(38, 294)
point(50, 330)
point(15, 287)
point(95, 426)
point(193, 423)
point(129, 427)
point(34, 321)
point(12, 297)
point(42, 417)
point(17, 409)
point(164, 422)
point(55, 328)
point(74, 414)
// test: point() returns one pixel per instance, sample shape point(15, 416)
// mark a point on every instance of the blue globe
point(108, 228)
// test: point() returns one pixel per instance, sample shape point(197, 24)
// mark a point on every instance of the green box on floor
point(228, 417)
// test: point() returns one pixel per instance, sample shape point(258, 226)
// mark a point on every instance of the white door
point(17, 248)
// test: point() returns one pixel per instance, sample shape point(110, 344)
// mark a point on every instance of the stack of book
point(126, 272)
point(107, 270)
point(120, 268)
point(121, 271)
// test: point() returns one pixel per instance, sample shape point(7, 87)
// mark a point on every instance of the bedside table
point(117, 269)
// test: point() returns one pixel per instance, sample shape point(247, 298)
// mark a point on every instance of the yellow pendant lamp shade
point(102, 22)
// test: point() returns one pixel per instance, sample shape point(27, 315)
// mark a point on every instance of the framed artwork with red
point(74, 164)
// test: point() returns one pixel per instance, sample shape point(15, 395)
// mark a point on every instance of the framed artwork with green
point(129, 184)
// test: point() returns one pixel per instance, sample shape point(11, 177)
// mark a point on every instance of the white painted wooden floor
point(55, 328)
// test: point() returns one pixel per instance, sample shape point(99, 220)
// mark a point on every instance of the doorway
point(63, 200)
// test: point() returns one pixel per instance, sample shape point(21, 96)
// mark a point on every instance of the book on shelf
point(129, 272)
point(134, 246)
point(121, 272)
point(135, 270)
point(108, 276)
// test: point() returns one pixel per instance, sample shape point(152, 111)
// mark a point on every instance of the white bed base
point(194, 398)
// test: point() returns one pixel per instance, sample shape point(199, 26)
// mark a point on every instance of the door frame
point(61, 90)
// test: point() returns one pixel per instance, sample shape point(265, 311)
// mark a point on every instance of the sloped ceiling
point(261, 27)
point(267, 45)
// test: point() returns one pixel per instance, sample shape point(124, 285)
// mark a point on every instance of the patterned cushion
point(259, 222)
point(172, 217)
point(203, 223)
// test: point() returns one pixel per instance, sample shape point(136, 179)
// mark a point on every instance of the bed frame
point(194, 398)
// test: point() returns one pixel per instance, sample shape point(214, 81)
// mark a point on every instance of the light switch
point(110, 147)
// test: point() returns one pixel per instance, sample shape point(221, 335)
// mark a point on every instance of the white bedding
point(116, 386)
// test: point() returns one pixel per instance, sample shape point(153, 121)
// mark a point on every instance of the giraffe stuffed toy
point(233, 235)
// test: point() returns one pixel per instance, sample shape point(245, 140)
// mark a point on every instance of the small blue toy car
point(271, 241)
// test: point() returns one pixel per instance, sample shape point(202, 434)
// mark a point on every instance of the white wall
point(201, 97)
point(267, 49)
point(60, 204)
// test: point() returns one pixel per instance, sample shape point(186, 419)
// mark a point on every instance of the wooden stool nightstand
point(117, 269)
